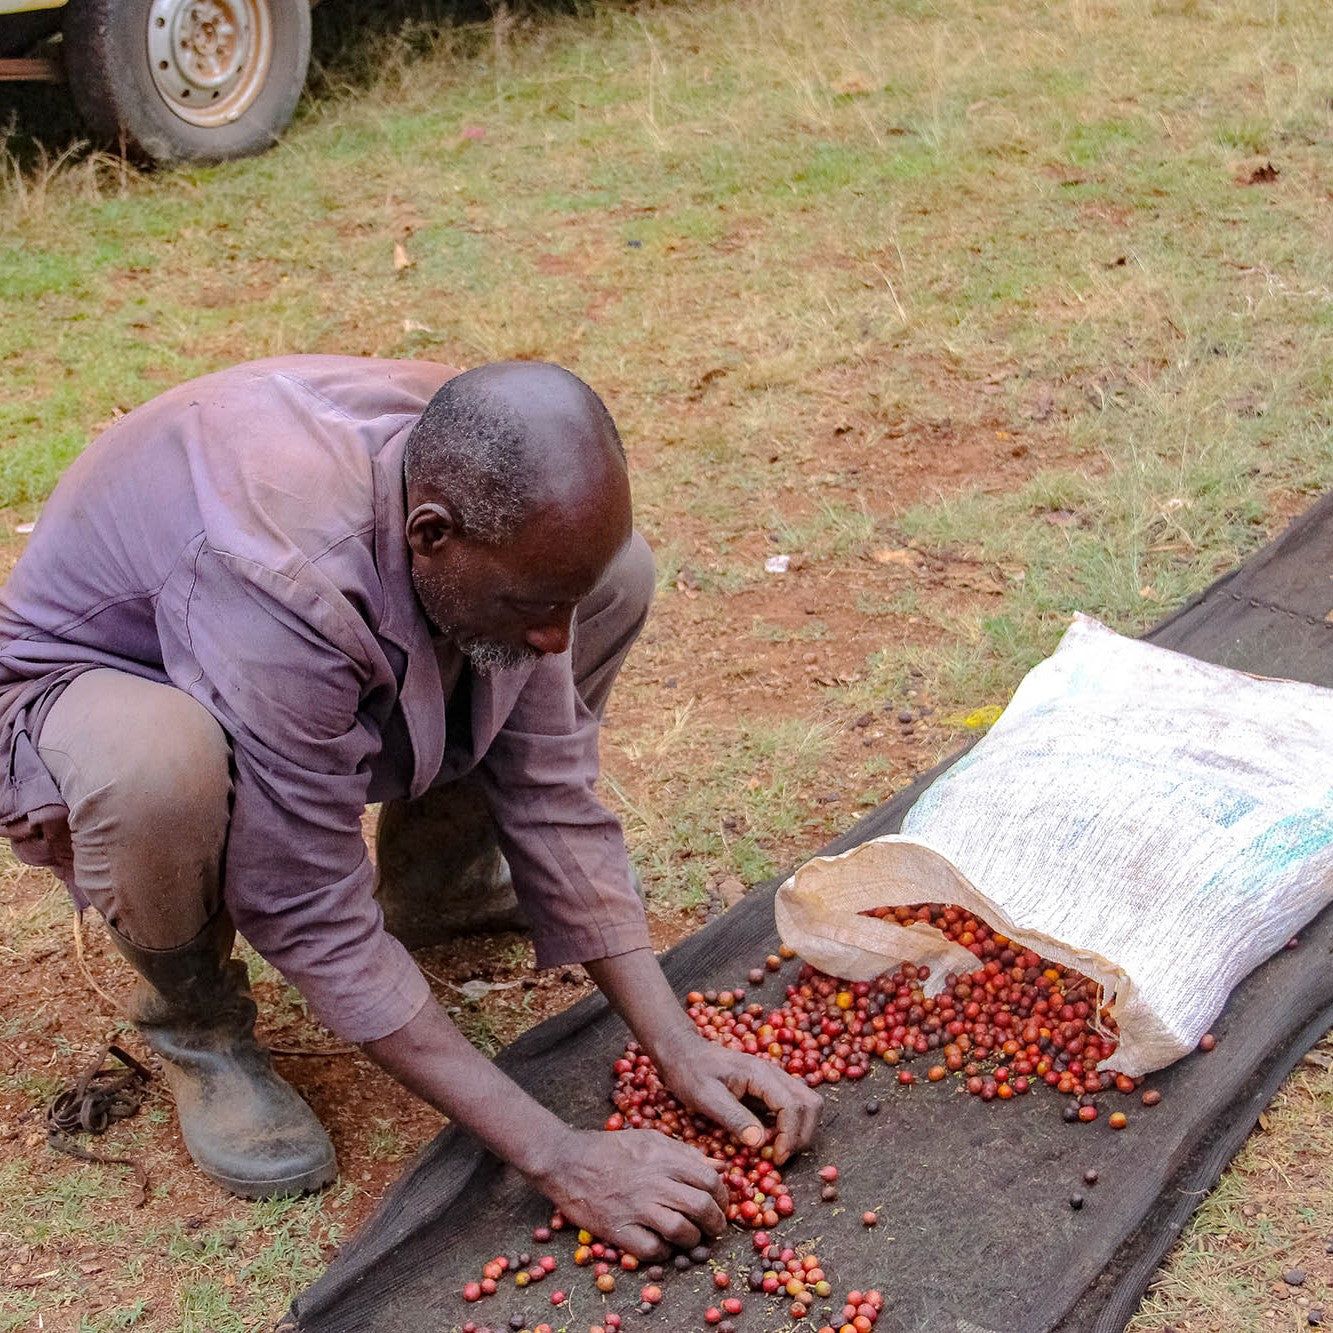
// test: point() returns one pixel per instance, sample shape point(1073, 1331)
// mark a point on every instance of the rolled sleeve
point(298, 701)
point(565, 849)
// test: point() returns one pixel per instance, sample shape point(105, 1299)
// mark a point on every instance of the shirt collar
point(402, 621)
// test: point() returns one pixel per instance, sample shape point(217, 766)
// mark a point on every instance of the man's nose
point(552, 637)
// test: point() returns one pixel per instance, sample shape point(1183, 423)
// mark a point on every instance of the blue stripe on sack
point(1293, 840)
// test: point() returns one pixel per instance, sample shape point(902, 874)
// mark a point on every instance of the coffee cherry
point(1207, 1042)
point(869, 1219)
point(1118, 1120)
point(1151, 1097)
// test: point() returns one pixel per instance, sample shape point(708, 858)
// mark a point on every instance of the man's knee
point(637, 576)
point(134, 757)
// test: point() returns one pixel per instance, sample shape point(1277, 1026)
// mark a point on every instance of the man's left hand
point(712, 1080)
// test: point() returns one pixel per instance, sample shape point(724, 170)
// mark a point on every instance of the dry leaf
point(400, 259)
point(850, 85)
point(1264, 175)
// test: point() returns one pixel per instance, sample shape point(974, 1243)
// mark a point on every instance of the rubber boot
point(243, 1125)
point(439, 873)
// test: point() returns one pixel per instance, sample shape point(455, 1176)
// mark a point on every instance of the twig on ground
point(299, 1050)
point(83, 962)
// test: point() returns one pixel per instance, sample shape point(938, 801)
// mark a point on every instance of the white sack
point(1161, 824)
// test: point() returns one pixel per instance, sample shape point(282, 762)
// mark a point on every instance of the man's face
point(508, 604)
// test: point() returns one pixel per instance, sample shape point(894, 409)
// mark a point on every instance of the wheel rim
point(209, 58)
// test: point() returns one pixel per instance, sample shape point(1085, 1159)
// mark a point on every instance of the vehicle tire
point(175, 80)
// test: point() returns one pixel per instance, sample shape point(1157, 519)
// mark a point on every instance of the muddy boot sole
point(307, 1182)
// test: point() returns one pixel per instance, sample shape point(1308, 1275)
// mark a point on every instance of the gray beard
point(486, 656)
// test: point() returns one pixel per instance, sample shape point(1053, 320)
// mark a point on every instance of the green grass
point(811, 256)
point(705, 823)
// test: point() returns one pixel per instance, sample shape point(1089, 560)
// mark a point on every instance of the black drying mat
point(975, 1233)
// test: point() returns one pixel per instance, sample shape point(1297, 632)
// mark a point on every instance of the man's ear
point(429, 528)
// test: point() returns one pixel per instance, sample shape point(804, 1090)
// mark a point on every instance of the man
point(275, 594)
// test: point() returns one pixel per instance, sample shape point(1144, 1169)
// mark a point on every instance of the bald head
point(518, 500)
point(504, 442)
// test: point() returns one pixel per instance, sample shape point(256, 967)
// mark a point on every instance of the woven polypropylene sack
point(1159, 823)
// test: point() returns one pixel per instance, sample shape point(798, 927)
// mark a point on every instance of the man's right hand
point(636, 1189)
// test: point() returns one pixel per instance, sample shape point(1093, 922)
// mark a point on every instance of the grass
point(705, 824)
point(985, 282)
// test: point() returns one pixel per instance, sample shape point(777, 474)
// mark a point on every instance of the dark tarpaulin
point(975, 1230)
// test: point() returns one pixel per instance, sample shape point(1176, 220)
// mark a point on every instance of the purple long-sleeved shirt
point(241, 537)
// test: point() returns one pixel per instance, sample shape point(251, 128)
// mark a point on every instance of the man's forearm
point(640, 993)
point(637, 1189)
point(433, 1059)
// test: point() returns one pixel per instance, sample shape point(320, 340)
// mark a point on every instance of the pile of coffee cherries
point(1013, 1021)
point(1036, 1019)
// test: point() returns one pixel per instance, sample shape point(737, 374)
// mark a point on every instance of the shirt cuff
point(387, 993)
point(587, 946)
